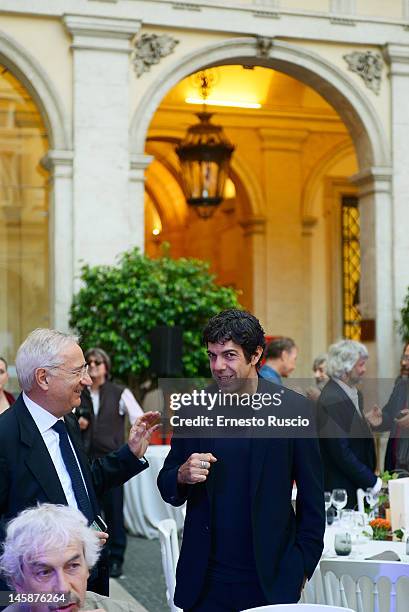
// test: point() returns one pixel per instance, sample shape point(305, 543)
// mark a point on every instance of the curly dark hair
point(239, 326)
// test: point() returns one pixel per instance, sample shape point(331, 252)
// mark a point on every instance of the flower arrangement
point(381, 529)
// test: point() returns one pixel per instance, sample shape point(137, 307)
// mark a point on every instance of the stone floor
point(118, 592)
point(143, 576)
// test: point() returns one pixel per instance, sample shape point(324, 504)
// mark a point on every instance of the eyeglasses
point(80, 372)
point(96, 362)
point(404, 357)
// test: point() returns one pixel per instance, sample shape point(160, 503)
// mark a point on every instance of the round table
point(361, 549)
point(143, 506)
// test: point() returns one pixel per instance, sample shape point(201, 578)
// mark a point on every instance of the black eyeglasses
point(97, 362)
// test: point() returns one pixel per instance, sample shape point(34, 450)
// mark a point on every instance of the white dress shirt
point(45, 421)
point(127, 405)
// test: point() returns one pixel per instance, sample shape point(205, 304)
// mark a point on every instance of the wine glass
point(328, 502)
point(372, 500)
point(339, 499)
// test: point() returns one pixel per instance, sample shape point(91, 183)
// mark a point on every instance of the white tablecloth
point(364, 548)
point(143, 505)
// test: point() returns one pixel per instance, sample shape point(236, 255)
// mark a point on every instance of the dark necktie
point(73, 470)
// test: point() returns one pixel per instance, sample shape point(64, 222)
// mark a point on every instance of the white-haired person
point(47, 556)
point(41, 456)
point(346, 439)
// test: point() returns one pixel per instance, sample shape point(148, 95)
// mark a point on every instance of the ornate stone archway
point(59, 163)
point(328, 80)
point(370, 142)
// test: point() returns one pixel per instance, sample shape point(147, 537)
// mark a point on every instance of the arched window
point(351, 267)
point(24, 301)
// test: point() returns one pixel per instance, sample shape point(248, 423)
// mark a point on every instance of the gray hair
point(343, 355)
point(42, 348)
point(322, 358)
point(45, 527)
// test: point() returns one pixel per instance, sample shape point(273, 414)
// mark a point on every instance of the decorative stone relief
point(149, 50)
point(264, 46)
point(368, 65)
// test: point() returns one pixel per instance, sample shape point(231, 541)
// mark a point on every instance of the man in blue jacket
point(243, 545)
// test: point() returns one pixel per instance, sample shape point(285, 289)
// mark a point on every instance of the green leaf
point(118, 306)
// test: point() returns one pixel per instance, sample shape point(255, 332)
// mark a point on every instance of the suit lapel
point(259, 445)
point(357, 425)
point(206, 445)
point(258, 454)
point(340, 393)
point(38, 459)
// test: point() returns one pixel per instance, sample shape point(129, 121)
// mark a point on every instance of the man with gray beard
point(346, 440)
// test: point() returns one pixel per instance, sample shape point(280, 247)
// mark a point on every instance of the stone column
point(61, 268)
point(309, 333)
point(285, 281)
point(106, 222)
point(398, 56)
point(376, 286)
point(138, 165)
point(254, 264)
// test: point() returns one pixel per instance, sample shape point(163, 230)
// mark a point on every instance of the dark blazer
point(287, 546)
point(346, 441)
point(27, 473)
point(397, 451)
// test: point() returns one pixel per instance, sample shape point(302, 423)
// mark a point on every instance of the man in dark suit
point(41, 458)
point(346, 440)
point(243, 545)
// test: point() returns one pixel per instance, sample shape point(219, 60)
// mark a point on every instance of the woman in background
point(6, 398)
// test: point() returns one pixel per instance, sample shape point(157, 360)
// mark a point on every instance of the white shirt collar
point(43, 419)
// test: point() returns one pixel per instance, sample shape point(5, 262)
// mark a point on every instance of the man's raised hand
point(196, 468)
point(141, 432)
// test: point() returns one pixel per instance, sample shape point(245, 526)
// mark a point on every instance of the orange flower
point(380, 523)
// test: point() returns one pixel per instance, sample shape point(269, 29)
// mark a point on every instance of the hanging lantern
point(204, 156)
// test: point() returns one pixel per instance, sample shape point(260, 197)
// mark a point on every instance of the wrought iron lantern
point(204, 156)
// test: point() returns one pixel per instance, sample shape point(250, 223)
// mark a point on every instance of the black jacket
point(346, 441)
point(28, 475)
point(287, 546)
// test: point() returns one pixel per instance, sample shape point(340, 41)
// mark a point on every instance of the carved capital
point(138, 165)
point(308, 224)
point(373, 180)
point(254, 226)
point(150, 49)
point(369, 67)
point(58, 163)
point(101, 33)
point(398, 58)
